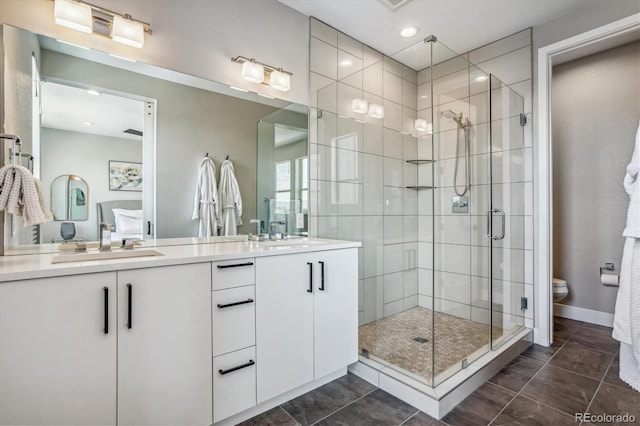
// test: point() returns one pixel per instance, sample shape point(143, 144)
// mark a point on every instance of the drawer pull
point(231, 370)
point(234, 304)
point(106, 310)
point(234, 265)
point(129, 306)
point(321, 275)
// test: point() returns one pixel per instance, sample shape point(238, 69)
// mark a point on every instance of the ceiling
point(461, 25)
point(67, 108)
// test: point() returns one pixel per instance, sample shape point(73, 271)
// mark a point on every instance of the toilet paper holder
point(609, 269)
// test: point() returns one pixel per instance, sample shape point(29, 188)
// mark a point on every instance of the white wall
point(595, 112)
point(87, 156)
point(196, 37)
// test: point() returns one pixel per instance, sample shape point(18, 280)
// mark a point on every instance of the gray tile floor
point(543, 386)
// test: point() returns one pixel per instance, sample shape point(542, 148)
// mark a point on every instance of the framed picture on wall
point(125, 176)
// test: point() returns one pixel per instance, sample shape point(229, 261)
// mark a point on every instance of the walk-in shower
point(439, 287)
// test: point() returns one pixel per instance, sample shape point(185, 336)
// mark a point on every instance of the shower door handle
point(490, 224)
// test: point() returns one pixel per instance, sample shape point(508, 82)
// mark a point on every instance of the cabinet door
point(336, 311)
point(57, 358)
point(164, 347)
point(284, 324)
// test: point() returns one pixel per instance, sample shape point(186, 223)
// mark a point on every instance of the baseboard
point(583, 314)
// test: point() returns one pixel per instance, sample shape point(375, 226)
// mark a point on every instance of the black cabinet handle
point(240, 367)
point(228, 305)
point(106, 310)
point(310, 289)
point(321, 288)
point(234, 265)
point(148, 227)
point(129, 306)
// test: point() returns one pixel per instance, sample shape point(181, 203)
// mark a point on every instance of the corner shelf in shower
point(420, 161)
point(420, 187)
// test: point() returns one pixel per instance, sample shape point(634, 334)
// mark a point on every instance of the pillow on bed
point(128, 221)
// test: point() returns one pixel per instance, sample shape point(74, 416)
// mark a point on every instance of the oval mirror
point(69, 198)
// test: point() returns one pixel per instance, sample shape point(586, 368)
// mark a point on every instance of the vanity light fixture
point(360, 106)
point(376, 111)
point(73, 15)
point(88, 18)
point(259, 72)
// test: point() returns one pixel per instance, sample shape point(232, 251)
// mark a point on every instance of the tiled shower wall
point(359, 172)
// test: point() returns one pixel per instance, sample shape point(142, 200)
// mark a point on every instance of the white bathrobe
point(626, 322)
point(205, 201)
point(230, 199)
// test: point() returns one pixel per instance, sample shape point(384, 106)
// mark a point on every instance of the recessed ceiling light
point(346, 63)
point(409, 32)
point(88, 123)
point(482, 78)
point(93, 92)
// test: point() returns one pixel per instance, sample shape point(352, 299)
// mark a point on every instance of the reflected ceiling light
point(259, 72)
point(409, 32)
point(89, 18)
point(122, 58)
point(483, 77)
point(73, 15)
point(420, 125)
point(376, 111)
point(360, 106)
point(239, 89)
point(345, 63)
point(93, 92)
point(88, 123)
point(71, 44)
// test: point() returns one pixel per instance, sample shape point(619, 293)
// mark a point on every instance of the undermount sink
point(105, 255)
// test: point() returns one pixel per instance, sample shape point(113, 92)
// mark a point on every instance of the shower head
point(449, 114)
point(453, 116)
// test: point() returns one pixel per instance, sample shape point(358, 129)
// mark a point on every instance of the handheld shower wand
point(464, 126)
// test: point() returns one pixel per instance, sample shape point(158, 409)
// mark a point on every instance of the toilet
point(560, 289)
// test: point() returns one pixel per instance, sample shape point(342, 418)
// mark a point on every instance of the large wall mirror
point(99, 110)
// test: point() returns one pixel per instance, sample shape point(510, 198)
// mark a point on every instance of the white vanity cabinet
point(58, 350)
point(60, 364)
point(306, 320)
point(164, 346)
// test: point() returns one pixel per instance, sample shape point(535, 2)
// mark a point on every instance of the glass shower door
point(506, 215)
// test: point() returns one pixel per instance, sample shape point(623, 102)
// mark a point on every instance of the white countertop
point(23, 267)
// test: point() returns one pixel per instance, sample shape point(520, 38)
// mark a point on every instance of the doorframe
point(543, 179)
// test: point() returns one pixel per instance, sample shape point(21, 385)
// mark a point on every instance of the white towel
point(626, 320)
point(20, 195)
point(230, 199)
point(205, 201)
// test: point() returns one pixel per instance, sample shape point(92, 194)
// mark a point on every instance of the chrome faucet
point(258, 223)
point(105, 236)
point(272, 228)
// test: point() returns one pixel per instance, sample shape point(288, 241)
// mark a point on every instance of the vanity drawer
point(234, 383)
point(234, 319)
point(233, 273)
